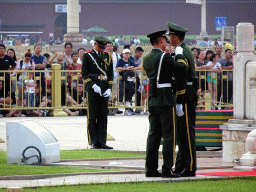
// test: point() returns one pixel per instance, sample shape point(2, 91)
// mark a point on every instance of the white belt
point(189, 83)
point(163, 85)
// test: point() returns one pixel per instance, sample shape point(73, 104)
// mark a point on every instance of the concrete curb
point(45, 176)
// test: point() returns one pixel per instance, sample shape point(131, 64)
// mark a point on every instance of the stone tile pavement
point(129, 132)
point(86, 179)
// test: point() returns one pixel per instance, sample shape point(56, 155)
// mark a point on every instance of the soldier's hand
point(179, 50)
point(179, 110)
point(97, 89)
point(107, 93)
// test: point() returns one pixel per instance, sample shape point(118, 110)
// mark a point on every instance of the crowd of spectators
point(214, 71)
point(33, 90)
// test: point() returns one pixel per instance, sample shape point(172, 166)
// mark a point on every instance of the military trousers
point(186, 140)
point(96, 118)
point(162, 125)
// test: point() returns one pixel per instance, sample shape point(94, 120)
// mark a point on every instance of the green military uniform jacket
point(94, 72)
point(191, 92)
point(170, 68)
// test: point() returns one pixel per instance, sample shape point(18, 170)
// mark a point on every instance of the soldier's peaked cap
point(101, 41)
point(157, 34)
point(174, 28)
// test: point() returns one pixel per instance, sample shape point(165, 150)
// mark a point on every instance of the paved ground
point(85, 179)
point(130, 134)
point(139, 164)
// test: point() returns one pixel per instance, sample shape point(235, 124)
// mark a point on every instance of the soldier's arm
point(181, 67)
point(143, 65)
point(110, 72)
point(182, 60)
point(181, 81)
point(86, 70)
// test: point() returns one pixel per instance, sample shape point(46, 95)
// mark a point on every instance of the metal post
point(208, 100)
point(56, 92)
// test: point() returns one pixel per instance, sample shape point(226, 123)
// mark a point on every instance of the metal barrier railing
point(64, 90)
point(215, 88)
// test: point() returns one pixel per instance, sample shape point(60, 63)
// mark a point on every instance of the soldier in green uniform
point(160, 68)
point(186, 158)
point(97, 72)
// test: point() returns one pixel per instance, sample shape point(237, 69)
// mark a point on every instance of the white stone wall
point(250, 103)
point(234, 136)
point(245, 48)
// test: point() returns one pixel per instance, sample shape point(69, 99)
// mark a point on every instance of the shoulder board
point(105, 52)
point(88, 51)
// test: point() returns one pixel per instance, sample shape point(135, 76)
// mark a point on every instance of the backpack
point(128, 75)
point(21, 64)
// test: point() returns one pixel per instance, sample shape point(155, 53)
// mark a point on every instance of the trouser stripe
point(173, 116)
point(88, 114)
point(189, 142)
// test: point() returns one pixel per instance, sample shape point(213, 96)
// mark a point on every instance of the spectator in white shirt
point(116, 41)
point(68, 51)
point(84, 42)
point(80, 55)
point(136, 41)
point(92, 42)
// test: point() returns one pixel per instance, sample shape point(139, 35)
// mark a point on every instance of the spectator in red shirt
point(74, 66)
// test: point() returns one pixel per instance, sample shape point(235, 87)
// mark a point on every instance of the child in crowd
point(77, 98)
point(46, 101)
point(30, 90)
point(212, 76)
point(30, 94)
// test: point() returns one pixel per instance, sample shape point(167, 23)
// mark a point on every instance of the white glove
point(107, 93)
point(179, 50)
point(97, 89)
point(179, 110)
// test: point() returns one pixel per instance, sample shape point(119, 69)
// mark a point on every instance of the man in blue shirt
point(40, 64)
point(139, 88)
point(227, 64)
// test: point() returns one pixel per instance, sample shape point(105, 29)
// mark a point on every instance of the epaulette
point(105, 52)
point(88, 51)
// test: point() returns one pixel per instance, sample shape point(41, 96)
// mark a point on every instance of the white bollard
point(251, 142)
point(248, 161)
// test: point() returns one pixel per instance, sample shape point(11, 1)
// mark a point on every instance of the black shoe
point(131, 111)
point(187, 173)
point(170, 175)
point(119, 112)
point(94, 146)
point(177, 171)
point(153, 174)
point(104, 146)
